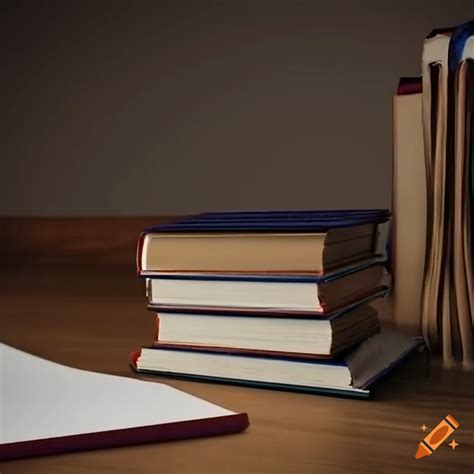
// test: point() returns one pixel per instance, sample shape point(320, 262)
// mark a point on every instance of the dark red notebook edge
point(127, 437)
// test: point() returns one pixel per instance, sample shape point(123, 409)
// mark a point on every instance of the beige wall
point(154, 107)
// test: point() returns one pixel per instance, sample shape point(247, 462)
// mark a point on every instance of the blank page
point(41, 399)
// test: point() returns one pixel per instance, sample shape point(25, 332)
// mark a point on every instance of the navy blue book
point(276, 242)
point(353, 374)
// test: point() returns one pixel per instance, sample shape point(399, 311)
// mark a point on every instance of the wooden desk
point(90, 317)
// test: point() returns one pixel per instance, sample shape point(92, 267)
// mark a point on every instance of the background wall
point(169, 107)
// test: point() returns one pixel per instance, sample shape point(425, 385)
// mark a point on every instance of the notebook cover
point(126, 437)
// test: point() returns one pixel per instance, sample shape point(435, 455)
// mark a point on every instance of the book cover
point(290, 221)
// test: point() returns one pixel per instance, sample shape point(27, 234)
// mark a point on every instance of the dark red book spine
point(409, 85)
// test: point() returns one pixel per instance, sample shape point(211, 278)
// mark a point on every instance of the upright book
point(408, 205)
point(436, 82)
point(447, 303)
point(462, 58)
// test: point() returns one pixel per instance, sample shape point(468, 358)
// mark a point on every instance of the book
point(437, 289)
point(48, 408)
point(293, 336)
point(447, 302)
point(315, 242)
point(409, 210)
point(458, 337)
point(409, 85)
point(462, 58)
point(468, 218)
point(254, 293)
point(352, 375)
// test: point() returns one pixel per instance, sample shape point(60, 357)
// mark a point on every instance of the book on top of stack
point(271, 299)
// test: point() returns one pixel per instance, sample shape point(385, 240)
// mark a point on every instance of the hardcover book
point(315, 242)
point(296, 294)
point(291, 335)
point(351, 375)
point(409, 208)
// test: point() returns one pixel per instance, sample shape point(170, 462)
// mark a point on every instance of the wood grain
point(72, 240)
point(91, 317)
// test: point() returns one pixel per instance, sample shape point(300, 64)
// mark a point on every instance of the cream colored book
point(409, 211)
point(253, 252)
point(314, 242)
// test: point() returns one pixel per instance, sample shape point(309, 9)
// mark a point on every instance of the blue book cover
point(268, 221)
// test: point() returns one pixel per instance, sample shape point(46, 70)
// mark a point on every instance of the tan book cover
point(409, 211)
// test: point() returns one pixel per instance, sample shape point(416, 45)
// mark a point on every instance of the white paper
point(41, 399)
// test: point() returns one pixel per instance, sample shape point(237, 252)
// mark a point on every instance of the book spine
point(139, 252)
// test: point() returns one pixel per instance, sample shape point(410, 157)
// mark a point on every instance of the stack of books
point(272, 299)
point(434, 195)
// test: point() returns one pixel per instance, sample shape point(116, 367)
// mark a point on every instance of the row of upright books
point(271, 299)
point(434, 195)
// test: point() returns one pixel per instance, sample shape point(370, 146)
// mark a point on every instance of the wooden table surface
point(91, 317)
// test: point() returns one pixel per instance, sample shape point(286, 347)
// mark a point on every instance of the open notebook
point(48, 408)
